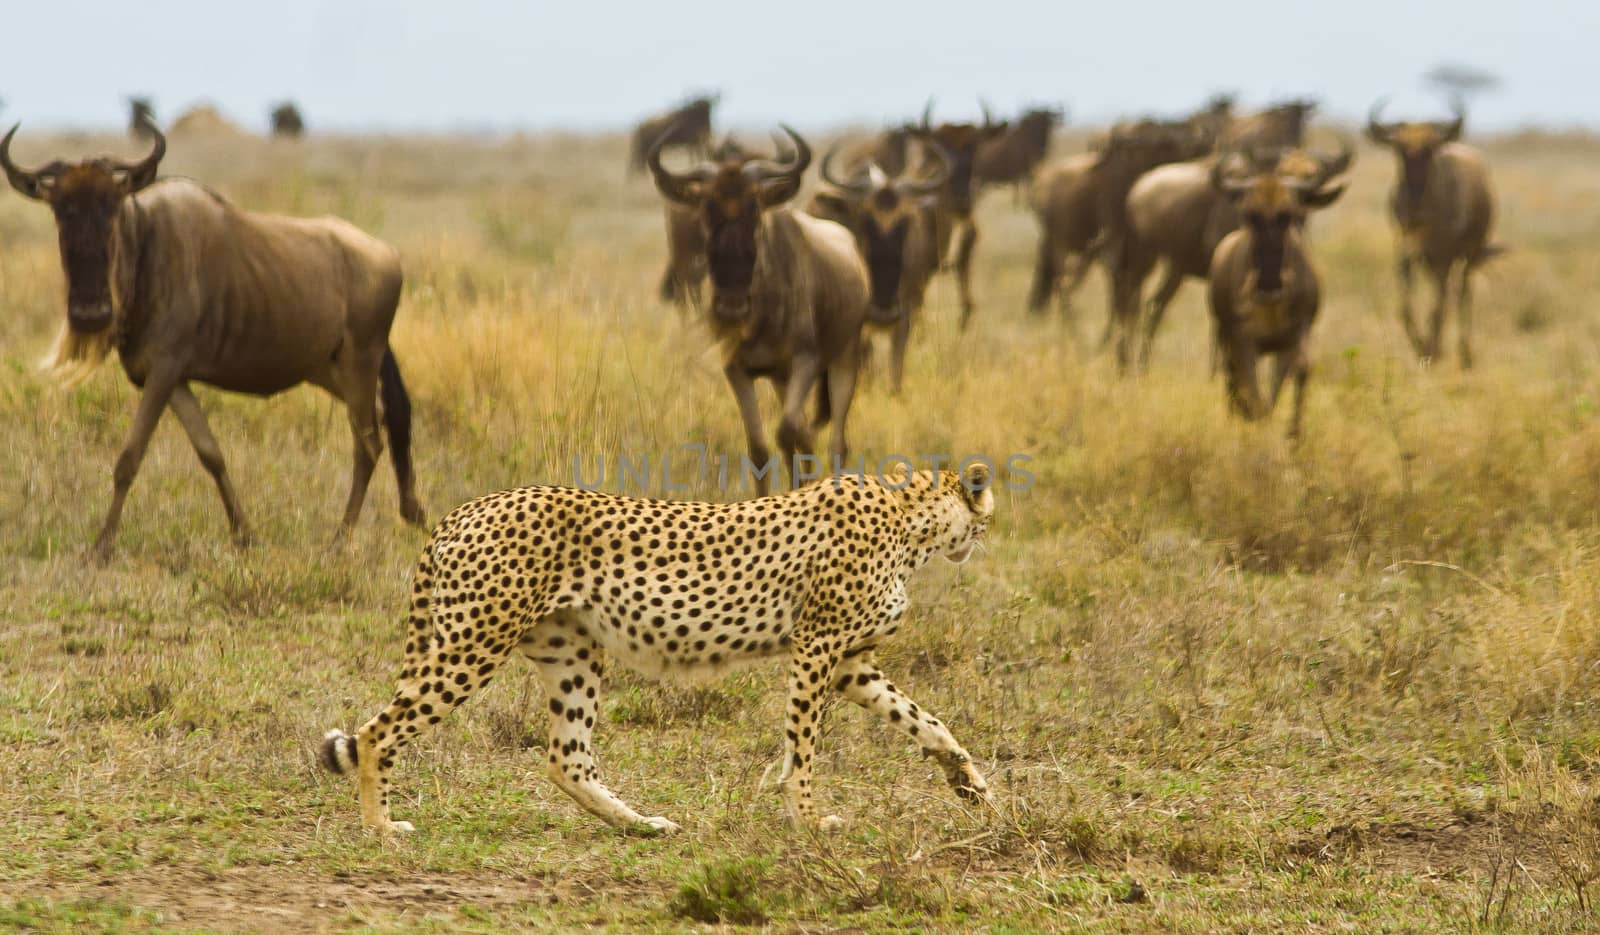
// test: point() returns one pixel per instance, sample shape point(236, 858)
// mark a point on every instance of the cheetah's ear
point(975, 479)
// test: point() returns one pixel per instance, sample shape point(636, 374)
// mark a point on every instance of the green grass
point(1218, 682)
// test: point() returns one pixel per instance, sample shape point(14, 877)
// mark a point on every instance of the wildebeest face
point(85, 199)
point(961, 141)
point(1272, 206)
point(730, 197)
point(880, 211)
point(1415, 144)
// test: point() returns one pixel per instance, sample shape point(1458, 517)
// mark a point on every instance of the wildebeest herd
point(186, 288)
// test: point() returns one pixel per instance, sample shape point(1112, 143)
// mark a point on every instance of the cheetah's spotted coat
point(671, 589)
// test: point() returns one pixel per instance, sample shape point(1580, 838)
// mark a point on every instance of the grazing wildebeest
point(1010, 158)
point(1281, 125)
point(960, 142)
point(1177, 216)
point(689, 126)
point(1443, 210)
point(788, 294)
point(141, 117)
point(895, 220)
point(187, 287)
point(1264, 293)
point(287, 122)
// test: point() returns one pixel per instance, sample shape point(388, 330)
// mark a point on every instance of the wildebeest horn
point(855, 186)
point(1223, 182)
point(927, 115)
point(21, 179)
point(1376, 131)
point(761, 170)
point(988, 119)
point(933, 182)
point(1338, 164)
point(676, 188)
point(143, 172)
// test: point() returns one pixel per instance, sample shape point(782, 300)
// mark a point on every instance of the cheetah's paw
point(657, 825)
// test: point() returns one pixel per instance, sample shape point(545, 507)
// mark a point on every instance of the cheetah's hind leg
point(571, 665)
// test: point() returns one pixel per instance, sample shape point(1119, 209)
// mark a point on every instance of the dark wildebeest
point(1177, 216)
point(187, 287)
point(1443, 209)
point(1280, 126)
point(895, 220)
point(1010, 158)
point(1215, 117)
point(788, 295)
point(686, 243)
point(688, 126)
point(1264, 293)
point(141, 118)
point(960, 142)
point(287, 122)
point(1080, 201)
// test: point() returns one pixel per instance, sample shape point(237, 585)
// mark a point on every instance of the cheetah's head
point(972, 509)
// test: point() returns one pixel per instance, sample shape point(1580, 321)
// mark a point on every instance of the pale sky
point(474, 64)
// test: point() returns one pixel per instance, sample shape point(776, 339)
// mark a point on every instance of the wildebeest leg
point(1046, 272)
point(841, 377)
point(1406, 320)
point(897, 353)
point(397, 422)
point(670, 286)
point(1441, 286)
point(859, 679)
point(969, 239)
point(794, 431)
point(744, 393)
point(1464, 316)
point(361, 408)
point(1082, 263)
point(1171, 281)
point(158, 389)
point(1243, 391)
point(810, 676)
point(1302, 370)
point(187, 409)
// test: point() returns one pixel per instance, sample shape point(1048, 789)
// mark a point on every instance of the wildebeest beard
point(1414, 181)
point(1267, 238)
point(885, 256)
point(731, 256)
point(86, 213)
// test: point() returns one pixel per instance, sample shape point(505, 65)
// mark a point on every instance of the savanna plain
point(1219, 681)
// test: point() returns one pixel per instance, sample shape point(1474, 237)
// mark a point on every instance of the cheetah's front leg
point(809, 672)
point(570, 667)
point(859, 679)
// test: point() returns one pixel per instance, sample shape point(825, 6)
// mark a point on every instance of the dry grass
point(1220, 683)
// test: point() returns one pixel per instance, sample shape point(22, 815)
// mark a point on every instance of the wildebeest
point(896, 223)
point(141, 117)
point(1080, 202)
point(681, 281)
point(1009, 159)
point(1281, 125)
point(186, 287)
point(287, 122)
point(1264, 293)
point(689, 126)
point(1443, 209)
point(960, 142)
point(1177, 216)
point(788, 294)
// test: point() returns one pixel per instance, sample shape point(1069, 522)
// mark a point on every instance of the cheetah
point(679, 590)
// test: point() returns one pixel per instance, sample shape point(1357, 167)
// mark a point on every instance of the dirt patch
point(278, 899)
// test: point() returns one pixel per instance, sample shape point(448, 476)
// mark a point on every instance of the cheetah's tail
point(338, 752)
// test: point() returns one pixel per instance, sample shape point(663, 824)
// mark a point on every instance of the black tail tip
point(338, 752)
